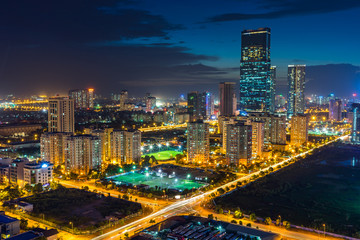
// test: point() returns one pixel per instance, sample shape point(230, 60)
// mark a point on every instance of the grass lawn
point(163, 155)
point(152, 181)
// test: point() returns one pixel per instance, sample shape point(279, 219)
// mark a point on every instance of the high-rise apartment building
point(238, 143)
point(227, 98)
point(257, 89)
point(198, 142)
point(299, 129)
point(105, 136)
point(266, 119)
point(296, 97)
point(83, 98)
point(132, 146)
point(335, 110)
point(223, 127)
point(278, 130)
point(257, 138)
point(355, 129)
point(52, 147)
point(82, 153)
point(61, 115)
point(117, 147)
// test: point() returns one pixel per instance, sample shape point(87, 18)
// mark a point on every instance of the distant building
point(198, 142)
point(299, 129)
point(38, 172)
point(150, 103)
point(8, 226)
point(266, 119)
point(296, 97)
point(123, 99)
point(61, 115)
point(355, 129)
point(83, 98)
point(18, 130)
point(82, 153)
point(335, 110)
point(256, 76)
point(238, 143)
point(227, 98)
point(199, 105)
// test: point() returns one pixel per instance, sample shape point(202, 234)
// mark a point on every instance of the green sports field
point(152, 181)
point(163, 155)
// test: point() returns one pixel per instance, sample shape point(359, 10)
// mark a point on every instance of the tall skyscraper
point(335, 109)
point(61, 115)
point(198, 142)
point(355, 130)
point(83, 98)
point(299, 129)
point(256, 82)
point(150, 103)
point(227, 98)
point(296, 97)
point(239, 143)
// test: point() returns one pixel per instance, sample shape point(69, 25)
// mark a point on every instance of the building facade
point(296, 97)
point(132, 147)
point(278, 130)
point(257, 138)
point(52, 147)
point(198, 142)
point(61, 115)
point(257, 89)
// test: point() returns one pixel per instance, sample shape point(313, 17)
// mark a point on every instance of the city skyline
point(117, 45)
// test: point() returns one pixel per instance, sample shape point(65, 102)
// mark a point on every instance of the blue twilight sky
point(172, 47)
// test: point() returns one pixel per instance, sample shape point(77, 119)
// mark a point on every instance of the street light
point(72, 226)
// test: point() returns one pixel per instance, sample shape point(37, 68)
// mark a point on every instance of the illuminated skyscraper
point(355, 130)
point(132, 146)
point(278, 130)
point(123, 99)
point(296, 98)
point(198, 142)
point(256, 79)
point(52, 147)
point(257, 138)
point(227, 98)
point(61, 115)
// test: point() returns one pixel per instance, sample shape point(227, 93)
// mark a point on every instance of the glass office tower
point(257, 92)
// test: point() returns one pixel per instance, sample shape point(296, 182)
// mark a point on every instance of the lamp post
point(324, 229)
point(72, 226)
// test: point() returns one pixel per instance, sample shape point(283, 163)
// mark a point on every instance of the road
point(190, 202)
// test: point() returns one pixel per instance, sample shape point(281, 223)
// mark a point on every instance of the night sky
point(170, 47)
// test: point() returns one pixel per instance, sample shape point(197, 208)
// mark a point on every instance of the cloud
point(77, 22)
point(270, 9)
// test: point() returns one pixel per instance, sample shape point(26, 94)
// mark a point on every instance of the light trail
point(182, 203)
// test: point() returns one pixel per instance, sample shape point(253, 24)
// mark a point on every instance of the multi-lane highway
point(174, 207)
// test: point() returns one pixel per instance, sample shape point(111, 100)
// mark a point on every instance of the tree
point(23, 223)
point(238, 213)
point(234, 221)
point(211, 216)
point(73, 176)
point(28, 187)
point(268, 221)
point(220, 211)
point(253, 217)
point(37, 188)
point(286, 224)
point(149, 195)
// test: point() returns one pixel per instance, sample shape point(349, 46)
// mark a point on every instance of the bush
point(233, 221)
point(248, 225)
